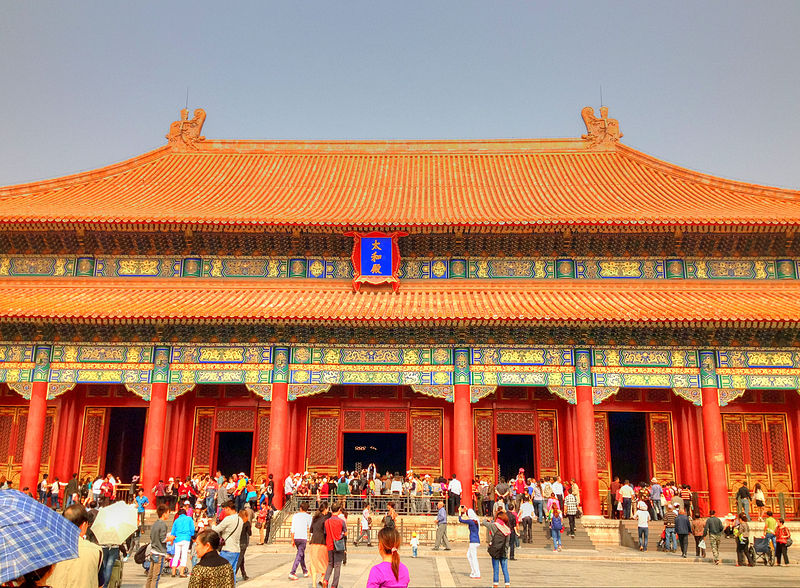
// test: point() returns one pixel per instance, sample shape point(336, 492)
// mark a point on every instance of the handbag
point(789, 542)
point(339, 544)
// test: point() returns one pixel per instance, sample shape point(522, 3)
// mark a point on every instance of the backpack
point(497, 545)
point(557, 524)
point(141, 554)
point(388, 522)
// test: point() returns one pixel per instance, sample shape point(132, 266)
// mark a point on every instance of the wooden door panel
point(93, 442)
point(322, 455)
point(662, 450)
point(426, 441)
point(485, 450)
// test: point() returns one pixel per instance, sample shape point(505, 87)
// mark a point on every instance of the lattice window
point(235, 419)
point(47, 440)
point(773, 397)
point(237, 392)
point(323, 433)
point(755, 440)
point(22, 424)
point(262, 453)
point(203, 438)
point(735, 438)
point(661, 443)
point(351, 421)
point(207, 391)
point(6, 423)
point(483, 440)
point(547, 451)
point(514, 393)
point(628, 395)
point(600, 442)
point(98, 391)
point(426, 434)
point(92, 438)
point(383, 392)
point(374, 420)
point(398, 420)
point(520, 421)
point(658, 395)
point(777, 446)
point(749, 396)
point(542, 394)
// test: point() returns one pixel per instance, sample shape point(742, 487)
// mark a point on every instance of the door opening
point(627, 433)
point(386, 450)
point(125, 440)
point(514, 452)
point(234, 453)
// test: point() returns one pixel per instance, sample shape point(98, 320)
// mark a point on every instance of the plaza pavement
point(535, 566)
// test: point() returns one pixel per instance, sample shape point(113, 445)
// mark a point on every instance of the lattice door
point(203, 445)
point(93, 442)
point(757, 448)
point(662, 452)
point(603, 449)
point(547, 442)
point(323, 441)
point(485, 450)
point(261, 466)
point(426, 441)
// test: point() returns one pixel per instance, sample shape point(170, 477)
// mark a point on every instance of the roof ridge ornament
point(600, 131)
point(185, 132)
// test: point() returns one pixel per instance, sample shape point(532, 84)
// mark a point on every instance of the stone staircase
point(629, 537)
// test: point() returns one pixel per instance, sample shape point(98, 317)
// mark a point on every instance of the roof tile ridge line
point(85, 176)
point(704, 178)
point(561, 145)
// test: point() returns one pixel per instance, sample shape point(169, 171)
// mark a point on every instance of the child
point(390, 573)
point(414, 544)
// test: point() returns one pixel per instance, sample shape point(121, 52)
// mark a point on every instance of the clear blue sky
point(714, 86)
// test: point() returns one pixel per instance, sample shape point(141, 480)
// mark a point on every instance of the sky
point(710, 85)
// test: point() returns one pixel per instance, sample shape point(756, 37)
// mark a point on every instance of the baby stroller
point(761, 549)
point(662, 541)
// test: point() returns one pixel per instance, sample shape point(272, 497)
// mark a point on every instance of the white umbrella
point(114, 524)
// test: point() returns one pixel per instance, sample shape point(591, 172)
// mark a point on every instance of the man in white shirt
point(288, 488)
point(526, 514)
point(558, 489)
point(626, 492)
point(301, 523)
point(454, 495)
point(397, 485)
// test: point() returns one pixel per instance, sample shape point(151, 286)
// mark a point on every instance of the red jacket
point(334, 529)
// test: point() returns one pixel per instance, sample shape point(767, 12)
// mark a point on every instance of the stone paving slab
point(269, 567)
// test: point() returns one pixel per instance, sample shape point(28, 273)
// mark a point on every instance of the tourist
point(552, 505)
point(473, 523)
point(364, 525)
point(526, 514)
point(317, 547)
point(301, 523)
point(656, 509)
point(390, 520)
point(571, 510)
point(158, 547)
point(261, 522)
point(454, 490)
point(670, 541)
point(537, 500)
point(683, 528)
point(742, 534)
point(770, 524)
point(613, 492)
point(519, 487)
point(782, 538)
point(181, 538)
point(713, 530)
point(698, 530)
point(743, 498)
point(230, 529)
point(499, 534)
point(512, 524)
point(335, 534)
point(558, 489)
point(502, 491)
point(441, 528)
point(642, 526)
point(82, 571)
point(488, 503)
point(390, 573)
point(212, 570)
point(760, 500)
point(244, 540)
point(556, 528)
point(414, 544)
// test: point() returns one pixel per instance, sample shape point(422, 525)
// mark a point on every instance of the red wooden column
point(587, 446)
point(463, 439)
point(278, 450)
point(153, 452)
point(37, 418)
point(712, 433)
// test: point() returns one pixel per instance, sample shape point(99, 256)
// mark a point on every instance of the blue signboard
point(376, 256)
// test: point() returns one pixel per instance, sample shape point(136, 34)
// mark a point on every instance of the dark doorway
point(125, 438)
point(627, 432)
point(514, 452)
point(234, 453)
point(386, 450)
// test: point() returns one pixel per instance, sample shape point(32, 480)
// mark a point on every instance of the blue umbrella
point(32, 536)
